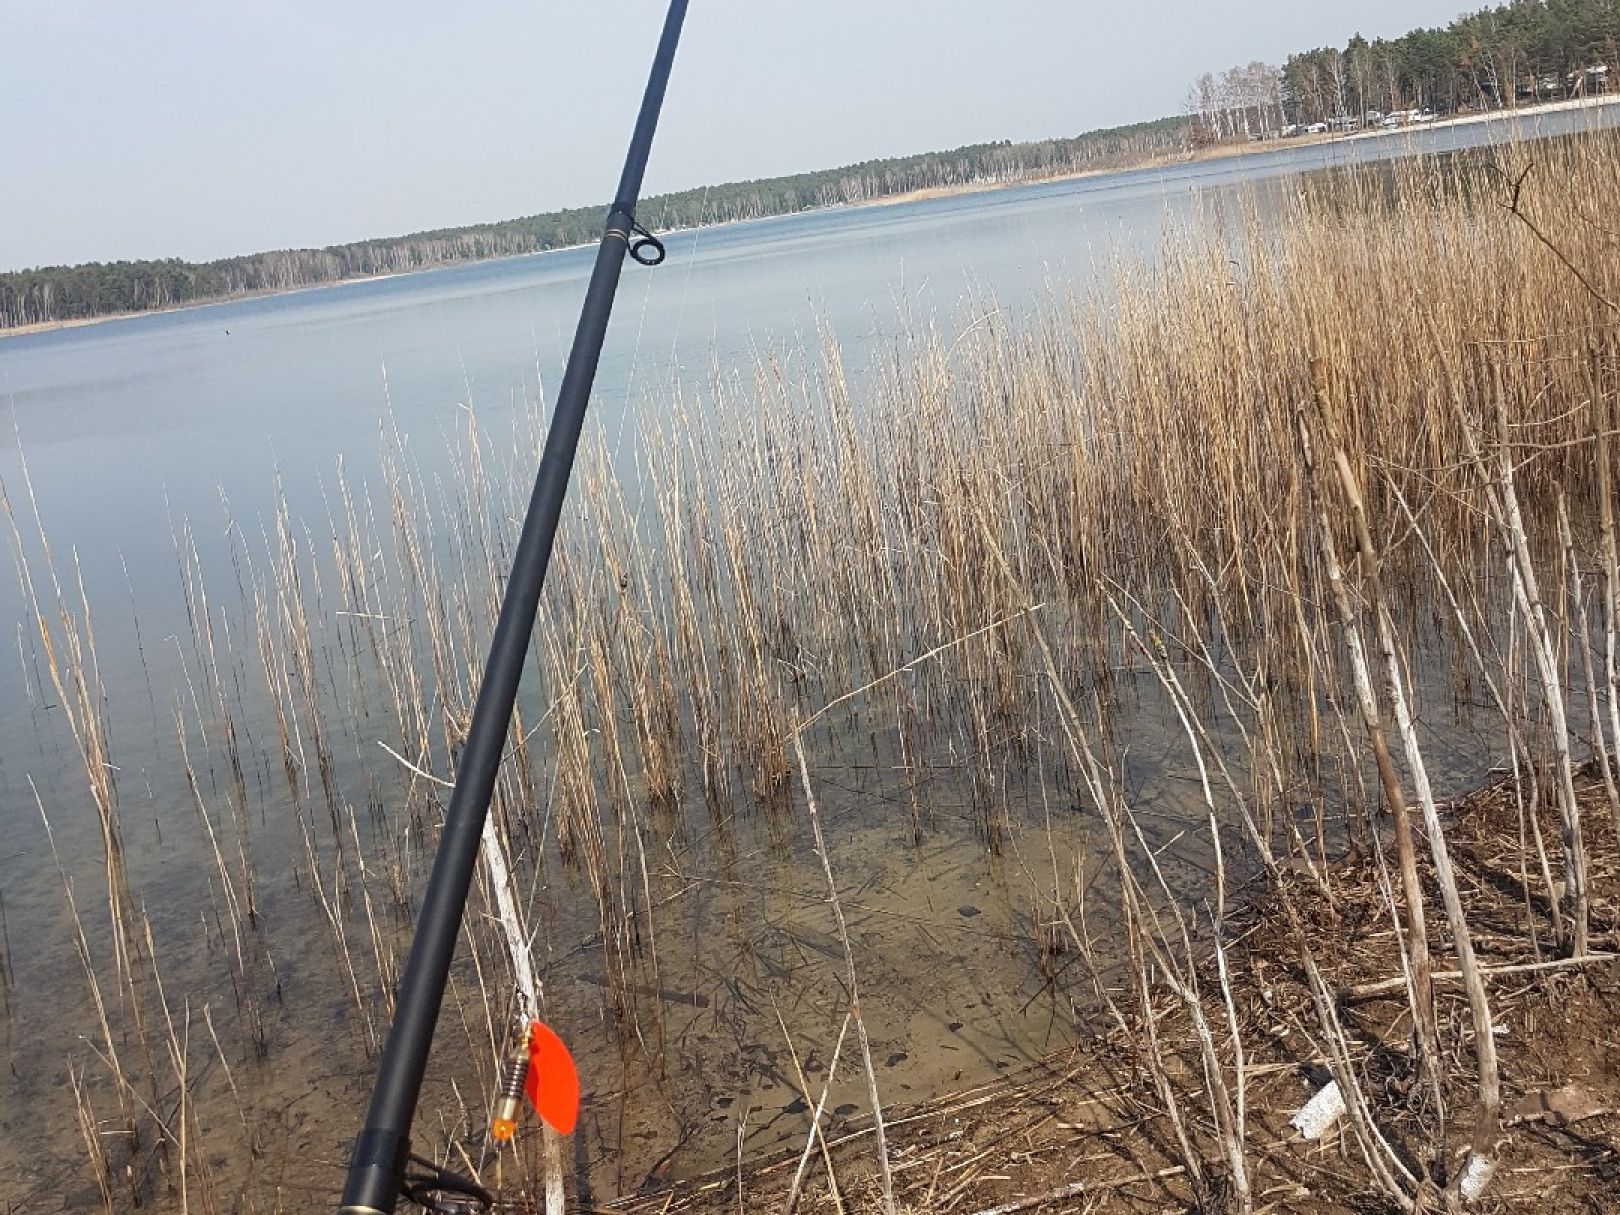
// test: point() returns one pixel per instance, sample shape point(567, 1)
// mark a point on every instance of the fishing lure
point(539, 1067)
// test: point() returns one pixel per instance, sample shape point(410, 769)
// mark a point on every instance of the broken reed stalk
point(1583, 643)
point(1606, 414)
point(1488, 1116)
point(8, 974)
point(1518, 744)
point(90, 1133)
point(881, 1140)
point(816, 1137)
point(1371, 991)
point(1415, 941)
point(179, 1045)
point(1544, 651)
point(528, 989)
point(1503, 501)
point(1080, 1189)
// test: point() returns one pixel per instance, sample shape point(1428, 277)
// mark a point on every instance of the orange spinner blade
point(553, 1082)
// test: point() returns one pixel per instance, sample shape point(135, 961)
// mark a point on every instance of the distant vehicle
point(1317, 128)
point(1424, 116)
point(1374, 117)
point(1391, 122)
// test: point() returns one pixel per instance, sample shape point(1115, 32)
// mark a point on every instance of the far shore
point(1217, 152)
point(1228, 151)
point(79, 322)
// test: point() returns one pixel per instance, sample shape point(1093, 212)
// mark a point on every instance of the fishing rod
point(379, 1169)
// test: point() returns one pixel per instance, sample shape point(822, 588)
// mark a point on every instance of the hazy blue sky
point(200, 128)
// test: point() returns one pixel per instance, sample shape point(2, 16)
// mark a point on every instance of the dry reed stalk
point(1583, 643)
point(90, 1133)
point(529, 994)
point(1606, 419)
point(8, 974)
point(122, 1084)
point(384, 957)
point(816, 1138)
point(179, 1045)
point(1372, 991)
point(332, 909)
point(1518, 745)
point(1415, 941)
point(1488, 1116)
point(1503, 498)
point(881, 1140)
point(230, 1080)
point(233, 905)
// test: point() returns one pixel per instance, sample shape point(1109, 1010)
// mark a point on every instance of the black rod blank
point(382, 1149)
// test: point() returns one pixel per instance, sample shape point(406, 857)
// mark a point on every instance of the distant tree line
point(64, 293)
point(1524, 52)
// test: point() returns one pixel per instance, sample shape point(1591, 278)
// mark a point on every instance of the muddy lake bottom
point(740, 948)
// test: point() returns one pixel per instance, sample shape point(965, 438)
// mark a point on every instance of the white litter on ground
point(1476, 1175)
point(1320, 1112)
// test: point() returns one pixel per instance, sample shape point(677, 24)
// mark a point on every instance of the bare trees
point(1239, 103)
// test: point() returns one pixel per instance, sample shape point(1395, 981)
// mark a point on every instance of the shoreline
point(81, 322)
point(1228, 151)
point(1232, 151)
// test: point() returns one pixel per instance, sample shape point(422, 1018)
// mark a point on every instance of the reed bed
point(1302, 490)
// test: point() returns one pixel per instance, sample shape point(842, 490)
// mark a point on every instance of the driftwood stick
point(1371, 991)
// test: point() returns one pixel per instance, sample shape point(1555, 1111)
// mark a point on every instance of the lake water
point(137, 429)
point(129, 423)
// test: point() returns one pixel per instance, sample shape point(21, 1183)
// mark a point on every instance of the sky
point(203, 128)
